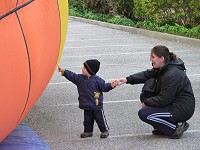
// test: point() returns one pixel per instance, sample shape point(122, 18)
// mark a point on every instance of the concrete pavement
point(57, 119)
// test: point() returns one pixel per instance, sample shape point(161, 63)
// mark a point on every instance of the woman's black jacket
point(173, 89)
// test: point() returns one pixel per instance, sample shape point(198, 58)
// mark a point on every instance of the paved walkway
point(57, 119)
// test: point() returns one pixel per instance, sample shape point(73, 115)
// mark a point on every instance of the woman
point(173, 103)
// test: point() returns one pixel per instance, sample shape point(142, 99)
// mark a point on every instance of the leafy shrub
point(121, 7)
point(172, 28)
point(182, 12)
point(80, 4)
point(122, 21)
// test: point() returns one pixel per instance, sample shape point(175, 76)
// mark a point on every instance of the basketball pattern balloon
point(32, 36)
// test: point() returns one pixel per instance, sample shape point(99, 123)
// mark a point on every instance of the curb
point(148, 33)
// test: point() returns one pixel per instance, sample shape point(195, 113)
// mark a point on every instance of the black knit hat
point(92, 66)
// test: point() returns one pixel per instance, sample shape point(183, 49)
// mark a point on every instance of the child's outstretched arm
point(69, 75)
point(62, 70)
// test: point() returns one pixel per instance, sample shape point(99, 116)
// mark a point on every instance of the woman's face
point(157, 62)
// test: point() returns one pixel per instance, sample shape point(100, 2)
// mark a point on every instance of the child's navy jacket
point(90, 90)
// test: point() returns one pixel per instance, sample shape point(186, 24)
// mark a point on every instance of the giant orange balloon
point(32, 36)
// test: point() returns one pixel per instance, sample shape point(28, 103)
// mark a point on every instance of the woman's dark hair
point(161, 50)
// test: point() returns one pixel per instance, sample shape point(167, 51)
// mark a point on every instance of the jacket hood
point(175, 63)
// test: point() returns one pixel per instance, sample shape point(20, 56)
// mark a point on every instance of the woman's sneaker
point(86, 134)
point(180, 129)
point(157, 132)
point(104, 134)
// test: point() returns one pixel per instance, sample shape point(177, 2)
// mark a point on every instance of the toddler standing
point(90, 89)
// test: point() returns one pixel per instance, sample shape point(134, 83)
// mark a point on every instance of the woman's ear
point(162, 59)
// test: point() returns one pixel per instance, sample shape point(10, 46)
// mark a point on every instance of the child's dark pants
point(98, 116)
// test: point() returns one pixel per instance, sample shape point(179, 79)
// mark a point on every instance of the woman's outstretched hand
point(121, 81)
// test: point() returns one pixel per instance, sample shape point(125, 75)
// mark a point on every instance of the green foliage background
point(182, 12)
point(180, 17)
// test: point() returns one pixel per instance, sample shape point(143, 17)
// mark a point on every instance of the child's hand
point(114, 83)
point(61, 70)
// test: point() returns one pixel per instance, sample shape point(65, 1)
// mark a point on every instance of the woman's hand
point(121, 81)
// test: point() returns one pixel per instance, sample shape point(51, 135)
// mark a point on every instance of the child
point(90, 89)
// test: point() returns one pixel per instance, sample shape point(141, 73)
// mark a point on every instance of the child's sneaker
point(86, 134)
point(104, 134)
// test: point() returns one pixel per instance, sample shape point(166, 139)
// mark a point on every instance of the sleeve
point(105, 87)
point(71, 76)
point(141, 77)
point(167, 94)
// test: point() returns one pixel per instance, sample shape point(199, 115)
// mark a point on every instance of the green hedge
point(146, 24)
point(183, 12)
point(112, 7)
point(121, 7)
point(172, 29)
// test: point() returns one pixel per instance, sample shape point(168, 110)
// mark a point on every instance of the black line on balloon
point(29, 89)
point(16, 9)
